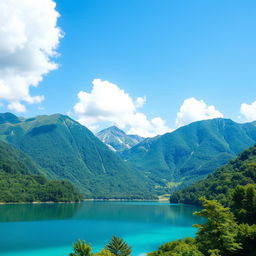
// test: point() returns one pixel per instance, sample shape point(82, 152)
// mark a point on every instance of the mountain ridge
point(191, 152)
point(67, 150)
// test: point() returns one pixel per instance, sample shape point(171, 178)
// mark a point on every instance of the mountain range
point(60, 148)
point(190, 153)
point(117, 140)
point(67, 150)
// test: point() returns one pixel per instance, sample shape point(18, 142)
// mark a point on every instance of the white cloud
point(140, 101)
point(248, 111)
point(194, 110)
point(108, 103)
point(17, 107)
point(29, 37)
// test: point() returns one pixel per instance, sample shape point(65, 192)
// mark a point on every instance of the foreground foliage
point(227, 232)
point(81, 248)
point(116, 247)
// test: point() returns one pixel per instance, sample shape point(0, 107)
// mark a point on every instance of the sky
point(147, 66)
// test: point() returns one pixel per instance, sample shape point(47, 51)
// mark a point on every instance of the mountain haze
point(191, 152)
point(118, 140)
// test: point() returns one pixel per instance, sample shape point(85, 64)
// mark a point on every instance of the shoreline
point(89, 200)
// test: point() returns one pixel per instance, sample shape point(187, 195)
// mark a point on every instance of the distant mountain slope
point(118, 140)
point(68, 150)
point(219, 185)
point(20, 180)
point(191, 152)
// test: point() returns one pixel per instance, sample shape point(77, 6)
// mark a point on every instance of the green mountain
point(220, 184)
point(21, 180)
point(67, 150)
point(118, 140)
point(191, 152)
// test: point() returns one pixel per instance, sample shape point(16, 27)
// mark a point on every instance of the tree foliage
point(118, 247)
point(220, 230)
point(226, 232)
point(81, 248)
point(186, 247)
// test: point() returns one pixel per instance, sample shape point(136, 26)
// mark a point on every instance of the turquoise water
point(50, 229)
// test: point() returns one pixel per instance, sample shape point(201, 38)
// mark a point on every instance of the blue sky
point(167, 51)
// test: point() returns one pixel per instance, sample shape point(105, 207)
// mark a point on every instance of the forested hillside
point(21, 180)
point(191, 152)
point(220, 184)
point(67, 150)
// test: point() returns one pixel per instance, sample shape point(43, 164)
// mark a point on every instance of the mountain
point(191, 152)
point(8, 118)
point(21, 180)
point(220, 184)
point(118, 140)
point(67, 150)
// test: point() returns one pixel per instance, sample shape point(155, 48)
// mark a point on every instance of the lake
point(50, 229)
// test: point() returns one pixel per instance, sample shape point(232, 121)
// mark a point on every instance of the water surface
point(50, 229)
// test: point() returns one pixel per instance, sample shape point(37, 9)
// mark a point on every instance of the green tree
point(104, 252)
point(81, 248)
point(220, 230)
point(186, 247)
point(244, 203)
point(247, 237)
point(118, 247)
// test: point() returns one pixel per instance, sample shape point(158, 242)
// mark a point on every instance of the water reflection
point(26, 228)
point(127, 211)
point(36, 212)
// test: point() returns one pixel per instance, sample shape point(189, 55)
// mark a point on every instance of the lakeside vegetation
point(21, 180)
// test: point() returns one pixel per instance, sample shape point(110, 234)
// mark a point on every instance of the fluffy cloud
point(29, 37)
point(108, 103)
point(248, 111)
point(194, 110)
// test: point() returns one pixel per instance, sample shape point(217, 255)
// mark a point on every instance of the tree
point(104, 252)
point(220, 230)
point(247, 237)
point(81, 248)
point(118, 247)
point(244, 203)
point(186, 247)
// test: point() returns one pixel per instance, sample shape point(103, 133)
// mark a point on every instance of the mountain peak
point(8, 118)
point(117, 140)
